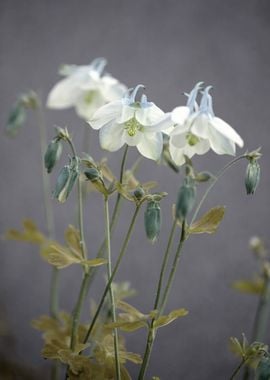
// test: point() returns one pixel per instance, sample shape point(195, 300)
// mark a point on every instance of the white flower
point(196, 129)
point(86, 88)
point(130, 122)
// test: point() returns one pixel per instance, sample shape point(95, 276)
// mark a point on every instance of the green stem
point(114, 218)
point(121, 255)
point(54, 284)
point(152, 330)
point(109, 273)
point(237, 369)
point(214, 181)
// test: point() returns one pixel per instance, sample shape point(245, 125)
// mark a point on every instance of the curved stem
point(121, 255)
point(152, 331)
point(214, 181)
point(109, 273)
point(237, 369)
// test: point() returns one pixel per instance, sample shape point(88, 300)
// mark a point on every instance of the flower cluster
point(192, 129)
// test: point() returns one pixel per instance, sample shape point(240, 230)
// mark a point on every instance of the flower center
point(132, 126)
point(192, 139)
point(89, 96)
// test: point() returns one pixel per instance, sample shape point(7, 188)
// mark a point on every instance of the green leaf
point(248, 286)
point(166, 319)
point(209, 222)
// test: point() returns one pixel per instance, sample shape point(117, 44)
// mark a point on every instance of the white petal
point(177, 155)
point(200, 148)
point(64, 94)
point(151, 145)
point(180, 114)
point(226, 130)
point(111, 137)
point(133, 140)
point(179, 140)
point(180, 129)
point(164, 124)
point(86, 109)
point(200, 126)
point(221, 144)
point(149, 115)
point(111, 88)
point(106, 114)
point(126, 114)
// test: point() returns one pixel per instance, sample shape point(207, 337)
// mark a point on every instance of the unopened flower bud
point(65, 182)
point(92, 174)
point(152, 220)
point(186, 199)
point(16, 119)
point(203, 177)
point(252, 176)
point(52, 155)
point(139, 193)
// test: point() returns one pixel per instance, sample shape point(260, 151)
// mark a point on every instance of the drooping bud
point(152, 220)
point(252, 178)
point(186, 199)
point(92, 174)
point(203, 177)
point(52, 155)
point(16, 119)
point(139, 193)
point(66, 180)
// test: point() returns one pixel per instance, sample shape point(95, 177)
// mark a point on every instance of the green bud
point(52, 154)
point(252, 176)
point(186, 199)
point(65, 181)
point(263, 369)
point(152, 220)
point(16, 119)
point(92, 174)
point(139, 193)
point(203, 177)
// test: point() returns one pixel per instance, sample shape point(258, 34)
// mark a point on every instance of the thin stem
point(164, 264)
point(152, 332)
point(121, 255)
point(237, 369)
point(214, 181)
point(109, 273)
point(114, 218)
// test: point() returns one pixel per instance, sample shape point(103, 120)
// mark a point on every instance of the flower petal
point(126, 114)
point(105, 114)
point(85, 107)
point(111, 137)
point(133, 140)
point(200, 126)
point(164, 124)
point(64, 94)
point(220, 144)
point(226, 130)
point(177, 155)
point(149, 115)
point(151, 145)
point(111, 88)
point(180, 115)
point(179, 140)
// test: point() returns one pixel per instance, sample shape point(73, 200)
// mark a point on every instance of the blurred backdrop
point(168, 46)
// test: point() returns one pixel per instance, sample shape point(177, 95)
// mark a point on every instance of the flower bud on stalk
point(252, 176)
point(92, 174)
point(52, 155)
point(152, 220)
point(186, 199)
point(65, 181)
point(139, 193)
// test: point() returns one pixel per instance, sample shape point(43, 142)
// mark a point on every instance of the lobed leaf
point(248, 286)
point(166, 319)
point(29, 233)
point(209, 222)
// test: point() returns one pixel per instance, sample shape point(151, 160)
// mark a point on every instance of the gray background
point(168, 46)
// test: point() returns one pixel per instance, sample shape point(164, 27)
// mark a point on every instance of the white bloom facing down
point(197, 129)
point(86, 88)
point(130, 122)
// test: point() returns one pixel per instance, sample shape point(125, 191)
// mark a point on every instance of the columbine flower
point(130, 122)
point(197, 129)
point(86, 88)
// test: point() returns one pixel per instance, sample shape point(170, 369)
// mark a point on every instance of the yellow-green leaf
point(131, 310)
point(250, 286)
point(58, 255)
point(209, 222)
point(30, 233)
point(166, 319)
point(94, 262)
point(72, 238)
point(134, 358)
